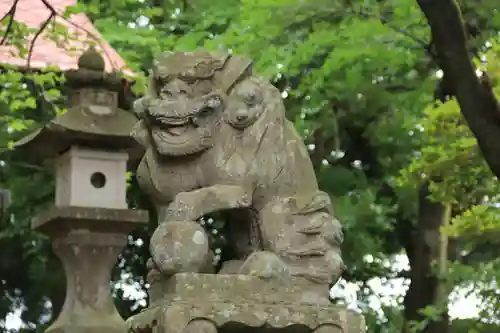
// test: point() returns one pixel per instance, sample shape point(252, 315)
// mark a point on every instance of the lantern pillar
point(89, 223)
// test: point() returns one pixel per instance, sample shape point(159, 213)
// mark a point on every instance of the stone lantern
point(90, 147)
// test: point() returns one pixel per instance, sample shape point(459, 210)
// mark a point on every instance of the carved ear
point(141, 105)
point(151, 85)
point(160, 60)
point(140, 130)
point(273, 102)
point(234, 70)
point(140, 133)
point(138, 107)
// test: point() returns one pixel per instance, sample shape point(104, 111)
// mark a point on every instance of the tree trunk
point(477, 102)
point(429, 258)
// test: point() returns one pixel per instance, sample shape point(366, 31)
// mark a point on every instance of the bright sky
point(461, 306)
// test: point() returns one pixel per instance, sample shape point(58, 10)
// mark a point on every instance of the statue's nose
point(241, 115)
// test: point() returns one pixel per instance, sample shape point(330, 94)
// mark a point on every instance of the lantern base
point(88, 241)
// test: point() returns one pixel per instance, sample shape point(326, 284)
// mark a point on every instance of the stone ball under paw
point(265, 265)
point(179, 246)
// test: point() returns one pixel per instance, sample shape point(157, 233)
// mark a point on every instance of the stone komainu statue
point(217, 139)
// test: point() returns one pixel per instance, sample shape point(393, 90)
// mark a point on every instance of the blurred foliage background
point(363, 85)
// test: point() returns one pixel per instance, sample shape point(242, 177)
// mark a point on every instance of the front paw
point(182, 208)
point(245, 199)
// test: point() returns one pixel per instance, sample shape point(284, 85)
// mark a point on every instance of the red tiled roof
point(34, 13)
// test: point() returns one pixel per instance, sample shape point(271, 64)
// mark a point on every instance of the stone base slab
point(233, 287)
point(211, 303)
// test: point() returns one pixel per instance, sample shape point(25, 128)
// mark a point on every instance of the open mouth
point(170, 130)
point(175, 135)
point(176, 131)
point(171, 127)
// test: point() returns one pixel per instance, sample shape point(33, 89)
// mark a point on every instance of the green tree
point(453, 41)
point(359, 81)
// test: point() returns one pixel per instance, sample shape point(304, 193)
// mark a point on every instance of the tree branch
point(38, 33)
point(53, 14)
point(475, 95)
point(10, 14)
point(89, 33)
point(387, 23)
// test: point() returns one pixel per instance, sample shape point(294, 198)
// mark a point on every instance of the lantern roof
point(93, 119)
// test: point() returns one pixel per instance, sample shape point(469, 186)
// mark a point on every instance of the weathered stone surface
point(88, 258)
point(179, 246)
point(93, 118)
point(60, 219)
point(249, 301)
point(303, 318)
point(88, 241)
point(230, 146)
point(265, 265)
point(197, 203)
point(231, 267)
point(217, 140)
point(295, 217)
point(232, 287)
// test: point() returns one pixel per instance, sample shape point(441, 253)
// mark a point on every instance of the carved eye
point(205, 111)
point(250, 98)
point(166, 93)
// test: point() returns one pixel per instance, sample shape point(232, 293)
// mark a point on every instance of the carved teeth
point(169, 138)
point(176, 131)
point(167, 123)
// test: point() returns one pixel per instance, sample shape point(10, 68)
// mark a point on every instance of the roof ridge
point(46, 52)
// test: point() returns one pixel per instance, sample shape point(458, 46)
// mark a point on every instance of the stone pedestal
point(209, 303)
point(88, 241)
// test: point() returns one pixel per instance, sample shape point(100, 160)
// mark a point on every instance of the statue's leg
point(320, 236)
point(190, 206)
point(265, 265)
point(200, 326)
point(275, 229)
point(304, 242)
